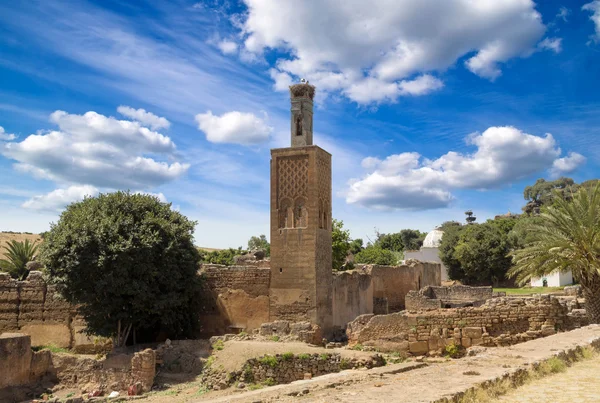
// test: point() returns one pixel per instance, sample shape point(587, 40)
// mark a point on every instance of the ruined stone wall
point(499, 322)
point(392, 283)
point(286, 368)
point(20, 366)
point(35, 308)
point(234, 298)
point(447, 297)
point(352, 296)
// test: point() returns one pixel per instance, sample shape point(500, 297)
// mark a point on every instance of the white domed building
point(429, 252)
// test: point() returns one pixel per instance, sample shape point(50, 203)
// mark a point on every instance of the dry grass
point(6, 237)
point(490, 391)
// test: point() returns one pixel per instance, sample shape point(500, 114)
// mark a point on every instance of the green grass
point(269, 360)
point(528, 290)
point(52, 348)
point(218, 345)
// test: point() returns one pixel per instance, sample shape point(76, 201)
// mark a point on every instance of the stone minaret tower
point(301, 278)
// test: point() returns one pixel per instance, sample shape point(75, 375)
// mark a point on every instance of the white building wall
point(428, 255)
point(555, 279)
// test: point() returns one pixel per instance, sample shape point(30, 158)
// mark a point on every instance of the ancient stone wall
point(234, 298)
point(352, 296)
point(286, 368)
point(447, 297)
point(499, 322)
point(35, 308)
point(392, 283)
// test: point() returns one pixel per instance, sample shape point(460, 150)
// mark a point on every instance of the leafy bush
point(375, 255)
point(274, 338)
point(454, 350)
point(304, 356)
point(287, 356)
point(128, 261)
point(218, 345)
point(269, 360)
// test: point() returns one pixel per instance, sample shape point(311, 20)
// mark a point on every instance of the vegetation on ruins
point(375, 255)
point(223, 256)
point(128, 261)
point(340, 244)
point(18, 254)
point(566, 238)
point(260, 242)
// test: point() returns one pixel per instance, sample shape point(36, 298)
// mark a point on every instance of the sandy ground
point(578, 384)
point(430, 383)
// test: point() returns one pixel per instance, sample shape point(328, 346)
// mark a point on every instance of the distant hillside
point(5, 237)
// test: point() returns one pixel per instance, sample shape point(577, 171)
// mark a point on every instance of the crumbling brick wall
point(500, 321)
point(35, 308)
point(234, 298)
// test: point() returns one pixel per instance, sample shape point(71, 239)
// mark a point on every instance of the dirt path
point(578, 384)
point(433, 382)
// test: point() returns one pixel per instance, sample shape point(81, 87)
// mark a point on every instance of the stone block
point(466, 342)
point(472, 332)
point(418, 347)
point(15, 359)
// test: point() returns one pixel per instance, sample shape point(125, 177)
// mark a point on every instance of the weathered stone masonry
point(447, 297)
point(35, 308)
point(234, 298)
point(499, 322)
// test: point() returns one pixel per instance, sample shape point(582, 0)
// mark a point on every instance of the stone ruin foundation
point(456, 296)
point(498, 322)
point(25, 373)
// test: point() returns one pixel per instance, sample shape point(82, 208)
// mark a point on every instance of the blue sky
point(429, 108)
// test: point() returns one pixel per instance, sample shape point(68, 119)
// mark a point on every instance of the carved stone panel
point(292, 187)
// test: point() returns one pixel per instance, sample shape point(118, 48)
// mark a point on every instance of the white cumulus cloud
point(553, 44)
point(503, 155)
point(145, 118)
point(594, 8)
point(567, 164)
point(234, 127)
point(358, 47)
point(6, 136)
point(60, 198)
point(96, 150)
point(227, 47)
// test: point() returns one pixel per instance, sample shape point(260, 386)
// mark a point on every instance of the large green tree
point(566, 238)
point(545, 193)
point(18, 254)
point(128, 261)
point(477, 253)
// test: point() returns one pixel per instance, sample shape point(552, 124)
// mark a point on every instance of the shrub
point(357, 347)
point(454, 350)
point(374, 255)
point(269, 360)
point(18, 254)
point(274, 338)
point(304, 356)
point(287, 356)
point(129, 262)
point(218, 345)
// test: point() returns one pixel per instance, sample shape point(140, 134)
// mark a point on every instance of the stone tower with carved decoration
point(301, 278)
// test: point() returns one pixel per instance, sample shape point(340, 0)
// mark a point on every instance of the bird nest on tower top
point(302, 91)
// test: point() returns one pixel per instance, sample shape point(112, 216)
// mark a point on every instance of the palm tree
point(566, 238)
point(18, 254)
